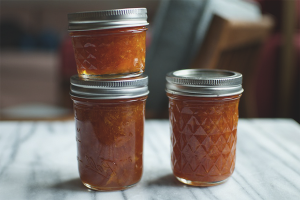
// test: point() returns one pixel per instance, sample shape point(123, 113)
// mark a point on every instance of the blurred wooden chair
point(235, 45)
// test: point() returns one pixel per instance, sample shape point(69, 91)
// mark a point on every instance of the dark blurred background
point(260, 39)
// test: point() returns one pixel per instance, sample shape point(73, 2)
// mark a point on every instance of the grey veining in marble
point(38, 161)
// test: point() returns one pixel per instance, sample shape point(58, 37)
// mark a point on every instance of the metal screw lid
point(107, 19)
point(109, 88)
point(204, 82)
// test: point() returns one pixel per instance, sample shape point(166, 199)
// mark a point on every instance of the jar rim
point(122, 88)
point(107, 19)
point(204, 82)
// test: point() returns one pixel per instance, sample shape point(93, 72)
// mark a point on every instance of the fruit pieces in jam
point(203, 136)
point(110, 51)
point(110, 142)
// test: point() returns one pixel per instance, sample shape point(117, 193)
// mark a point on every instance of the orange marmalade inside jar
point(109, 43)
point(203, 114)
point(109, 119)
point(110, 51)
point(203, 137)
point(109, 136)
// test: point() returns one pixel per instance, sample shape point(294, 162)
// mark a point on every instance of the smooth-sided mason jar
point(109, 118)
point(203, 114)
point(109, 43)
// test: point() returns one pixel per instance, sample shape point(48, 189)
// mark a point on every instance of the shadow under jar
point(109, 43)
point(109, 118)
point(203, 114)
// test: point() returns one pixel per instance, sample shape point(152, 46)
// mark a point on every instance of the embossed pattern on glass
point(110, 142)
point(203, 137)
point(111, 51)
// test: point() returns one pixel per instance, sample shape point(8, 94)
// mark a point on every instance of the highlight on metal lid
point(204, 82)
point(107, 19)
point(109, 88)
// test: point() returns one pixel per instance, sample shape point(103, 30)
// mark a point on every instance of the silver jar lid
point(107, 19)
point(204, 83)
point(109, 88)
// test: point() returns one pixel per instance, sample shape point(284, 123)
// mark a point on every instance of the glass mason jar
point(109, 43)
point(203, 114)
point(109, 118)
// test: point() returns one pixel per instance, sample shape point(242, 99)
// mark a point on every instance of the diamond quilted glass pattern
point(109, 135)
point(203, 135)
point(111, 51)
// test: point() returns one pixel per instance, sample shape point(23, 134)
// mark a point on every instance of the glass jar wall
point(109, 119)
point(203, 138)
point(203, 114)
point(109, 43)
point(109, 136)
point(101, 53)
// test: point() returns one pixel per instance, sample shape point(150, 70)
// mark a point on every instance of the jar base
point(200, 183)
point(107, 188)
point(108, 76)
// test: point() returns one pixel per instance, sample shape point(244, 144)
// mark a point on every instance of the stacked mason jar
point(109, 95)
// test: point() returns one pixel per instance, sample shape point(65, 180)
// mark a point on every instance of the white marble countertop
point(38, 161)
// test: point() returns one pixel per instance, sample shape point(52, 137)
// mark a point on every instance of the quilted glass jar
point(109, 43)
point(109, 119)
point(203, 114)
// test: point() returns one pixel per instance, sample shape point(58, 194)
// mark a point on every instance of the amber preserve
point(118, 51)
point(203, 114)
point(109, 118)
point(109, 43)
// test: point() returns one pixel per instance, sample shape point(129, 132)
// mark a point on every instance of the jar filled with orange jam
point(109, 118)
point(203, 114)
point(109, 43)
